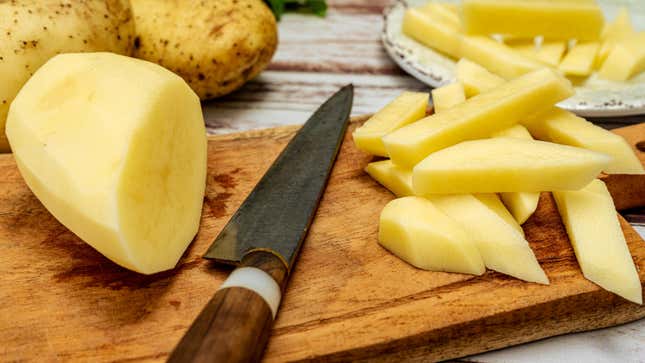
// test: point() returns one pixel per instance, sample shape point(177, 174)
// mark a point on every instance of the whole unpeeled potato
point(33, 31)
point(215, 45)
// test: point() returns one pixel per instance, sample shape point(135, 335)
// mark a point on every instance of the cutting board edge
point(527, 332)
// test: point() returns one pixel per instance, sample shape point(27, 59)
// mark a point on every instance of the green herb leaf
point(279, 7)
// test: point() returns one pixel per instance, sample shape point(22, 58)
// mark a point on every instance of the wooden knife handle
point(236, 323)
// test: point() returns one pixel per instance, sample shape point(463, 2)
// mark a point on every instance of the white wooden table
point(316, 57)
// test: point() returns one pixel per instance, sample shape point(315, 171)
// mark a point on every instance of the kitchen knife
point(263, 239)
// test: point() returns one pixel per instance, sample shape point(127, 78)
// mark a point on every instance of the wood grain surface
point(348, 299)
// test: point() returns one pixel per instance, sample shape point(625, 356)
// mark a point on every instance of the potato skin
point(32, 31)
point(215, 45)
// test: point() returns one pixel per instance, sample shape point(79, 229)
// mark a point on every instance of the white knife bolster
point(256, 280)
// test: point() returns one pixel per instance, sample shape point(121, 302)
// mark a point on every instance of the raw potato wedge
point(580, 59)
point(115, 148)
point(560, 19)
point(447, 96)
point(215, 45)
point(475, 78)
point(432, 30)
point(478, 117)
point(33, 31)
point(501, 246)
point(626, 59)
point(598, 240)
point(407, 108)
point(497, 57)
point(420, 234)
point(563, 127)
point(394, 178)
point(493, 202)
point(521, 204)
point(500, 165)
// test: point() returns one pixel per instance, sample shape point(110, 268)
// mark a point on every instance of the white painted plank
point(341, 42)
point(285, 98)
point(625, 343)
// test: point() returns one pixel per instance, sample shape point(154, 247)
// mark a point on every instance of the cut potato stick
point(506, 165)
point(394, 178)
point(493, 202)
point(580, 59)
point(557, 122)
point(564, 127)
point(626, 59)
point(405, 109)
point(447, 12)
point(598, 240)
point(448, 96)
point(501, 246)
point(547, 52)
point(614, 32)
point(497, 57)
point(475, 78)
point(516, 131)
point(478, 117)
point(521, 204)
point(525, 46)
point(557, 125)
point(561, 20)
point(551, 52)
point(433, 31)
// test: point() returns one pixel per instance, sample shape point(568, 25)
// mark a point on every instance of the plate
point(594, 97)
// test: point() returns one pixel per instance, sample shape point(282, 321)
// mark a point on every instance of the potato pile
point(470, 174)
point(512, 37)
point(215, 45)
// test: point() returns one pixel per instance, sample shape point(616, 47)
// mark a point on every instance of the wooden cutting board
point(348, 298)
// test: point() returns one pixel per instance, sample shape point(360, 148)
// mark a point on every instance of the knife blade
point(263, 239)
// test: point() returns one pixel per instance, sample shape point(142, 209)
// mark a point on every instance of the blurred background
point(315, 57)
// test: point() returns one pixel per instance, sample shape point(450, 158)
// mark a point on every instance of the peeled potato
point(419, 233)
point(33, 31)
point(598, 241)
point(215, 45)
point(478, 117)
point(500, 165)
point(115, 148)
